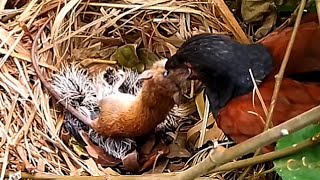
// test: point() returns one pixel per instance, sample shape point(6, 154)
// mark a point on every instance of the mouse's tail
point(80, 90)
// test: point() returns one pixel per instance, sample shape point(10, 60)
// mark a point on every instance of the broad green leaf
point(126, 56)
point(304, 165)
point(147, 57)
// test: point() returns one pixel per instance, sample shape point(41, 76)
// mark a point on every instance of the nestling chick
point(75, 85)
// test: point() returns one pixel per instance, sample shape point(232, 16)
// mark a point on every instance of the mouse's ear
point(147, 74)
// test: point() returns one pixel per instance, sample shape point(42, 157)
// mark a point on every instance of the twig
point(318, 9)
point(229, 19)
point(204, 122)
point(72, 110)
point(221, 156)
point(257, 91)
point(163, 176)
point(279, 78)
point(5, 160)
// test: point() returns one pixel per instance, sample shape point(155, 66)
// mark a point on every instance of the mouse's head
point(164, 83)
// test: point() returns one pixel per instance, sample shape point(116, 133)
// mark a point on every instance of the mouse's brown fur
point(138, 116)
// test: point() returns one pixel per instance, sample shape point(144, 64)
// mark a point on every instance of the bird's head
point(209, 57)
point(186, 59)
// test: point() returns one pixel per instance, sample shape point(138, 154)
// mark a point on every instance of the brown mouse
point(124, 115)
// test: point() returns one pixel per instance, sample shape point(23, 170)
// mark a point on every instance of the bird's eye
point(165, 73)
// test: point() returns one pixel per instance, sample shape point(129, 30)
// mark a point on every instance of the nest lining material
point(80, 91)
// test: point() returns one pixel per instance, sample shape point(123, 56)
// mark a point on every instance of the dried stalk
point(318, 9)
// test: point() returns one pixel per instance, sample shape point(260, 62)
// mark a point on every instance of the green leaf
point(147, 57)
point(304, 165)
point(126, 56)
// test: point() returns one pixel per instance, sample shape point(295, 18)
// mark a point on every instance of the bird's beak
point(192, 75)
point(189, 72)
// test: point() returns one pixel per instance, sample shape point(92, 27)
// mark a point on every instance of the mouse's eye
point(165, 73)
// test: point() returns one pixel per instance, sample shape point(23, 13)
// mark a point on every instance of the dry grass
point(88, 33)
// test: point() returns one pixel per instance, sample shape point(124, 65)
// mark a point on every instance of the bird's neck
point(219, 91)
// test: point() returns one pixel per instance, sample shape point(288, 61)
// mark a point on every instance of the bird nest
point(94, 36)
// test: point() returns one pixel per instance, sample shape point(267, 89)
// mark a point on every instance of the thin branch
point(318, 9)
point(163, 176)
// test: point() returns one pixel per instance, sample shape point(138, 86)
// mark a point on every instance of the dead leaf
point(73, 170)
point(23, 155)
point(160, 167)
point(173, 40)
point(130, 162)
point(106, 53)
point(41, 165)
point(147, 147)
point(109, 42)
point(109, 171)
point(59, 124)
point(151, 160)
point(160, 147)
point(88, 61)
point(213, 133)
point(254, 10)
point(178, 151)
point(200, 104)
point(158, 151)
point(181, 139)
point(97, 153)
point(176, 166)
point(93, 167)
point(267, 25)
point(194, 132)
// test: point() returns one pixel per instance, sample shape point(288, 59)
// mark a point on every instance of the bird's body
point(223, 64)
point(243, 117)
